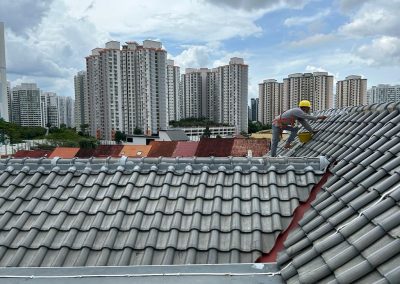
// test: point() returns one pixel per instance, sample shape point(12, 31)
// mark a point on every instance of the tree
point(137, 131)
point(207, 132)
point(119, 137)
point(84, 129)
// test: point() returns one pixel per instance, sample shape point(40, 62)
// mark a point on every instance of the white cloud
point(374, 18)
point(384, 50)
point(260, 4)
point(195, 56)
point(192, 21)
point(313, 40)
point(311, 68)
point(298, 21)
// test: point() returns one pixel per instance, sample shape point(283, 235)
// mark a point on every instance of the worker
point(286, 121)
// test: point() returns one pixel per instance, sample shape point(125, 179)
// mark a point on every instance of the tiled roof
point(85, 153)
point(104, 151)
point(117, 212)
point(64, 152)
point(352, 232)
point(216, 147)
point(32, 153)
point(258, 147)
point(162, 148)
point(185, 149)
point(135, 151)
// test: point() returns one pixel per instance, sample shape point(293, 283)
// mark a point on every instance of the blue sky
point(47, 41)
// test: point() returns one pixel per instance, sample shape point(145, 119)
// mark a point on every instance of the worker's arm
point(302, 115)
point(305, 124)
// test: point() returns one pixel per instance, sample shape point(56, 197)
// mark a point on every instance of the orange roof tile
point(64, 152)
point(136, 151)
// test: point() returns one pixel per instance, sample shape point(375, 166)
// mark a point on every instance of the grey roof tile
point(88, 213)
point(351, 233)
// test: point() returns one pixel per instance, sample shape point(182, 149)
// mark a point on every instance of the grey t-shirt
point(299, 115)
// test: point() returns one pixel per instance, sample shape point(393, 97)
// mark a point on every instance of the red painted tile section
point(85, 153)
point(217, 147)
point(104, 151)
point(162, 148)
point(32, 154)
point(185, 149)
point(297, 215)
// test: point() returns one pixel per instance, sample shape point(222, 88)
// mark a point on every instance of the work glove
point(322, 117)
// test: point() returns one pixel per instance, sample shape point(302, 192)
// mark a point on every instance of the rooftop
point(218, 210)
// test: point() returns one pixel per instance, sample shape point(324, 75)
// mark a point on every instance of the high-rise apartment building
point(3, 79)
point(351, 92)
point(315, 87)
point(127, 88)
point(26, 105)
point(219, 94)
point(173, 92)
point(50, 110)
point(65, 111)
point(254, 102)
point(82, 104)
point(9, 98)
point(270, 101)
point(232, 94)
point(383, 93)
point(192, 89)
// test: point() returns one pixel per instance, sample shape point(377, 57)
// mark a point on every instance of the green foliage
point(17, 133)
point(119, 137)
point(207, 132)
point(67, 137)
point(257, 126)
point(193, 121)
point(137, 131)
point(88, 143)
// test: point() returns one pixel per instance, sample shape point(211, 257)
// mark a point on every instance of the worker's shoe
point(287, 146)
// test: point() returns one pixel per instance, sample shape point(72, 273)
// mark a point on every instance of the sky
point(47, 40)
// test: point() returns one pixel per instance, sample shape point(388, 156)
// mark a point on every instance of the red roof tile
point(217, 147)
point(258, 147)
point(104, 151)
point(162, 148)
point(32, 153)
point(185, 149)
point(64, 152)
point(85, 153)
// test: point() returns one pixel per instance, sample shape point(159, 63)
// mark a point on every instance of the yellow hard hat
point(305, 103)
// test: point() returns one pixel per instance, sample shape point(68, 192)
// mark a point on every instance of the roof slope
point(162, 148)
point(116, 212)
point(176, 134)
point(104, 151)
point(64, 152)
point(135, 151)
point(85, 153)
point(32, 153)
point(352, 231)
point(258, 147)
point(185, 149)
point(217, 147)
